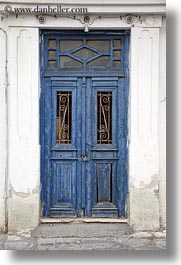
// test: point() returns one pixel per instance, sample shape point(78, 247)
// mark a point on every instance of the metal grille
point(64, 118)
point(104, 118)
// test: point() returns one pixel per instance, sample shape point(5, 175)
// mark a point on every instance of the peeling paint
point(23, 212)
point(156, 192)
point(36, 190)
point(146, 216)
point(151, 184)
point(22, 194)
point(154, 179)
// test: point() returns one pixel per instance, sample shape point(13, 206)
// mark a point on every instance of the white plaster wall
point(143, 130)
point(3, 152)
point(146, 186)
point(24, 155)
point(162, 123)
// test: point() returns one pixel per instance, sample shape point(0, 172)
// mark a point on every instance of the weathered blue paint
point(71, 186)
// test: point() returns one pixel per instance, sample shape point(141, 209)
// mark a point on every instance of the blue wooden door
point(84, 103)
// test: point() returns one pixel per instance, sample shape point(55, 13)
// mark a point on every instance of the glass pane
point(104, 117)
point(67, 45)
point(51, 53)
point(116, 64)
point(117, 43)
point(116, 53)
point(52, 44)
point(101, 45)
point(52, 64)
point(68, 62)
point(84, 53)
point(101, 62)
point(64, 118)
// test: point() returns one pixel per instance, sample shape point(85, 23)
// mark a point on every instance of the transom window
point(85, 53)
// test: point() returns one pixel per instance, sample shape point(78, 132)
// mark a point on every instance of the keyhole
point(84, 157)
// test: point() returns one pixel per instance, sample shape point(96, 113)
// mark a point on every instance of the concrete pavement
point(80, 236)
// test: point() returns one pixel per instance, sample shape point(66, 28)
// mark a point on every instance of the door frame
point(44, 189)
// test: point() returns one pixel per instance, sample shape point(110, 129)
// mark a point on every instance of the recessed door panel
point(104, 182)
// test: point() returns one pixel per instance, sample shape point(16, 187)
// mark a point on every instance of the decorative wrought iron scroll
point(104, 118)
point(64, 117)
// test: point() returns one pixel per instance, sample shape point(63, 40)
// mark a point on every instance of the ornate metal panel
point(84, 124)
point(104, 116)
point(64, 117)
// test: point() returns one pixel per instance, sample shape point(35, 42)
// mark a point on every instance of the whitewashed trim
point(96, 22)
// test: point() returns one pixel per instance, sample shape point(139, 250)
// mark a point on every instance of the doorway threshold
point(63, 220)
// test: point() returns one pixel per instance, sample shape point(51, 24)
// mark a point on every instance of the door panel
point(84, 164)
point(63, 188)
point(62, 141)
point(102, 147)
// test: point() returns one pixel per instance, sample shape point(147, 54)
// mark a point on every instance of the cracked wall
point(23, 212)
point(144, 205)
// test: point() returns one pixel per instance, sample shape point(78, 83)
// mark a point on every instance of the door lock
point(84, 158)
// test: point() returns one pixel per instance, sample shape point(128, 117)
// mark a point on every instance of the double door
point(84, 129)
point(85, 147)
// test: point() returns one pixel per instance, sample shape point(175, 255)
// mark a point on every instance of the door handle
point(84, 157)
